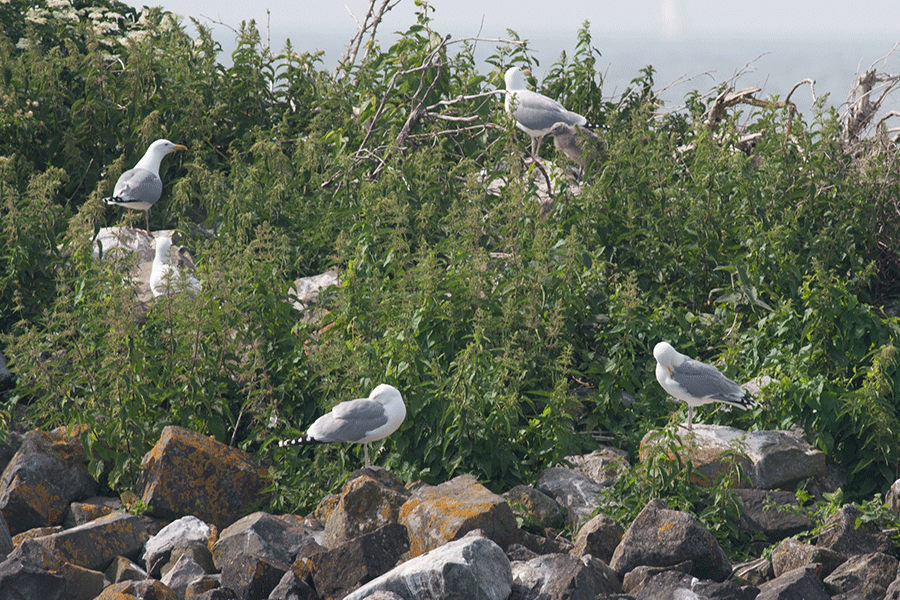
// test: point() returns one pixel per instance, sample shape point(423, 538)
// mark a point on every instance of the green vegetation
point(486, 310)
point(668, 472)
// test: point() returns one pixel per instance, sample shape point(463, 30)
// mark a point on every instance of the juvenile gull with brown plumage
point(535, 113)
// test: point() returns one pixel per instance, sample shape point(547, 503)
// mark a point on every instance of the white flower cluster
point(111, 28)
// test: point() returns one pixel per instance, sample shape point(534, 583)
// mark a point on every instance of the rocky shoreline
point(382, 538)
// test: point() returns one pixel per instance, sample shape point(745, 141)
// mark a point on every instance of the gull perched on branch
point(695, 382)
point(535, 113)
point(361, 421)
point(139, 188)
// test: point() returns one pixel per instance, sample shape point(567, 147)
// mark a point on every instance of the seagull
point(165, 277)
point(361, 421)
point(535, 113)
point(695, 382)
point(570, 140)
point(139, 188)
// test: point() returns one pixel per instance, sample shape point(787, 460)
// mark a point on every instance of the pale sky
point(664, 18)
point(785, 41)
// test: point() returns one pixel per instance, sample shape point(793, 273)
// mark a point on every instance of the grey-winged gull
point(695, 382)
point(139, 188)
point(535, 113)
point(165, 276)
point(571, 140)
point(360, 421)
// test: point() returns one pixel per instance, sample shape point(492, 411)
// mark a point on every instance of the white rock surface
point(472, 567)
point(180, 532)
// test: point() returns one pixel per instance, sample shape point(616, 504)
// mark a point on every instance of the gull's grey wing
point(705, 381)
point(540, 113)
point(138, 185)
point(349, 421)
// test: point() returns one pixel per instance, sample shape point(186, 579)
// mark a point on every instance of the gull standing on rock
point(535, 113)
point(361, 421)
point(139, 188)
point(695, 382)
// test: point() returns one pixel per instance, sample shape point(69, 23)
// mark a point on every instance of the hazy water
point(773, 64)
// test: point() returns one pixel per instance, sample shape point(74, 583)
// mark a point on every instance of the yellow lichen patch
point(41, 497)
point(133, 590)
point(189, 473)
point(34, 533)
point(94, 545)
point(449, 511)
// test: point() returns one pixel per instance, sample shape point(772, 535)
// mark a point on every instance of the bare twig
point(886, 116)
point(459, 99)
point(217, 22)
point(370, 23)
point(385, 7)
point(726, 99)
point(812, 89)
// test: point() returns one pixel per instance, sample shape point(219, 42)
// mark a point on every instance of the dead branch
point(349, 58)
point(459, 99)
point(727, 99)
point(886, 116)
point(812, 89)
point(416, 112)
point(480, 127)
point(861, 107)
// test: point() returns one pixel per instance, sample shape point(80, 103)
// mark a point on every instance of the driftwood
point(864, 101)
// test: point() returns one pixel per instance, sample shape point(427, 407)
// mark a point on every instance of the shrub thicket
point(488, 311)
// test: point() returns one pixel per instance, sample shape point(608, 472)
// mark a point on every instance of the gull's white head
point(155, 153)
point(515, 79)
point(164, 147)
point(666, 355)
point(385, 393)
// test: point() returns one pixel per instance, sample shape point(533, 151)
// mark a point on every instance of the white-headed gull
point(360, 421)
point(139, 188)
point(695, 382)
point(535, 113)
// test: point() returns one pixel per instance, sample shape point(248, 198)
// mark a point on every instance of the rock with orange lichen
point(6, 542)
point(273, 538)
point(94, 545)
point(148, 589)
point(439, 514)
point(187, 473)
point(370, 499)
point(251, 577)
point(47, 473)
point(662, 537)
point(22, 580)
point(84, 512)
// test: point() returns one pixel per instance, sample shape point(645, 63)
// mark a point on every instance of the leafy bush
point(664, 473)
point(486, 308)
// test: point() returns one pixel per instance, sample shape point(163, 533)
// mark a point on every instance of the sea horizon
point(774, 63)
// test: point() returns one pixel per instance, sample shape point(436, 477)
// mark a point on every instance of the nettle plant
point(513, 328)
